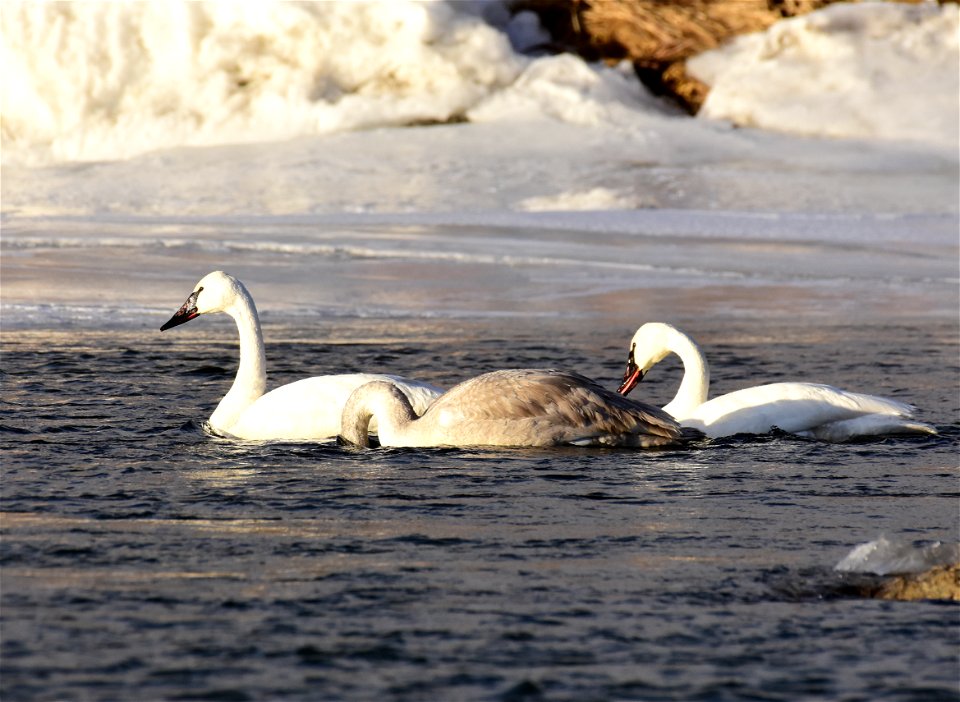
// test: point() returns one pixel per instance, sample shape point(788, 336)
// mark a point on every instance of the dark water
point(142, 559)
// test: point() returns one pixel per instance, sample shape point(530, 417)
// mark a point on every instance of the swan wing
point(792, 407)
point(534, 407)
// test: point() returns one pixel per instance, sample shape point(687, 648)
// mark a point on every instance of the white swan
point(808, 409)
point(509, 408)
point(305, 409)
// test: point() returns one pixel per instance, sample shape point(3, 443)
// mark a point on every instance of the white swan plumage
point(521, 407)
point(307, 409)
point(807, 409)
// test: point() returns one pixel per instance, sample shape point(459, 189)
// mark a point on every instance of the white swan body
point(307, 409)
point(808, 409)
point(524, 407)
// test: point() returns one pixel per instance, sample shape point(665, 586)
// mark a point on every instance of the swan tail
point(868, 425)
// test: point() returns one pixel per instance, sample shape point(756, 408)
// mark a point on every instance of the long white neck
point(251, 380)
point(695, 385)
point(381, 401)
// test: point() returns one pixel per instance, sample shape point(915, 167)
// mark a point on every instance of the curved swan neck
point(251, 380)
point(378, 400)
point(695, 385)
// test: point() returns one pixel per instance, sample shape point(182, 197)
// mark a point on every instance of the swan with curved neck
point(808, 409)
point(307, 409)
point(524, 407)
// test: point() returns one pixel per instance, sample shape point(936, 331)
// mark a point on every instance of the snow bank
point(566, 89)
point(102, 81)
point(112, 80)
point(874, 70)
point(90, 81)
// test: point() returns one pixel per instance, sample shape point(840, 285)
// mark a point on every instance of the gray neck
point(381, 401)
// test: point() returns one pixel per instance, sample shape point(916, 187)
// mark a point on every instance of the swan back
point(796, 408)
point(549, 407)
point(524, 407)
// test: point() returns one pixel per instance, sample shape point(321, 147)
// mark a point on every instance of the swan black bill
point(630, 379)
point(632, 375)
point(186, 312)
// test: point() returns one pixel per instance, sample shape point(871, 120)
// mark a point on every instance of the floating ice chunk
point(882, 557)
point(592, 199)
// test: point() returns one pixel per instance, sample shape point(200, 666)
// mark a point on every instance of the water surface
point(144, 559)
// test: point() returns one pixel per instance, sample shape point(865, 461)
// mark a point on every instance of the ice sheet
point(624, 266)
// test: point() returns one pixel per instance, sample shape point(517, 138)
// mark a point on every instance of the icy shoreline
point(106, 81)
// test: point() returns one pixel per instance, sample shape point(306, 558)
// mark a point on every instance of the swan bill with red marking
point(631, 376)
point(186, 312)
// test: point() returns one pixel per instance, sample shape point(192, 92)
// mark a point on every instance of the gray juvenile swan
point(307, 409)
point(526, 407)
point(807, 409)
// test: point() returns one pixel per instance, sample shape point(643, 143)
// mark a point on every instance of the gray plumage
point(523, 407)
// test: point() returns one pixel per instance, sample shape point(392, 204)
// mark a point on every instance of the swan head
point(215, 292)
point(650, 345)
